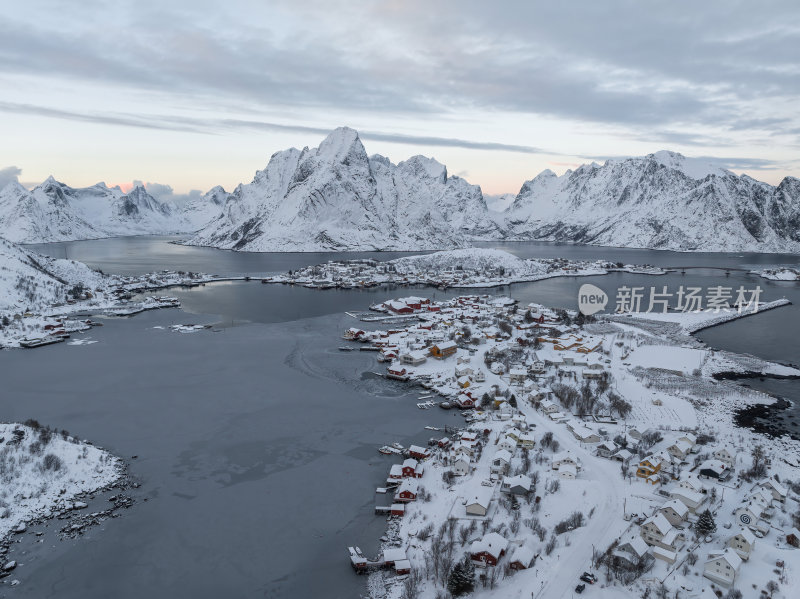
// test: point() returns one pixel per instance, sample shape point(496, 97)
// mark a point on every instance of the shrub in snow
point(52, 462)
point(573, 521)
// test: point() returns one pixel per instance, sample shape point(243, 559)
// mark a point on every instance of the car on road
point(587, 577)
point(579, 588)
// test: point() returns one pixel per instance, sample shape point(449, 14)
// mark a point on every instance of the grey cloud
point(165, 193)
point(198, 125)
point(643, 66)
point(9, 174)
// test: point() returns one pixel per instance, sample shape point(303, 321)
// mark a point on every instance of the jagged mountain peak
point(663, 200)
point(425, 167)
point(335, 197)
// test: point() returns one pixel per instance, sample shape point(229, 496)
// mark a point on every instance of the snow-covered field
point(42, 471)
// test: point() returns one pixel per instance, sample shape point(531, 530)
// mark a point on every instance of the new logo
point(591, 299)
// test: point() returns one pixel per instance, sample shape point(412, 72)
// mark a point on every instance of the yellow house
point(648, 467)
point(444, 350)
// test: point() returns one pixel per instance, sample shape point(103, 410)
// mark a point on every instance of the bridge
point(727, 269)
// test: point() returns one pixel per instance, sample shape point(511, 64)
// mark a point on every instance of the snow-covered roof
point(660, 522)
point(686, 494)
point(493, 544)
point(522, 554)
point(729, 555)
point(503, 455)
point(568, 469)
point(394, 554)
point(481, 496)
point(520, 480)
point(677, 505)
point(776, 486)
point(636, 544)
point(747, 535)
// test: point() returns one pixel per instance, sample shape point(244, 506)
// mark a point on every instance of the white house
point(606, 449)
point(722, 568)
point(464, 448)
point(632, 550)
point(665, 555)
point(723, 455)
point(508, 444)
point(414, 357)
point(517, 376)
point(680, 449)
point(654, 529)
point(548, 406)
point(569, 471)
point(500, 461)
point(692, 499)
point(743, 542)
point(477, 504)
point(778, 491)
point(586, 435)
point(675, 511)
point(462, 466)
point(565, 458)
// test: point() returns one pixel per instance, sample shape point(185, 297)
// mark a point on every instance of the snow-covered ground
point(43, 470)
point(638, 386)
point(779, 274)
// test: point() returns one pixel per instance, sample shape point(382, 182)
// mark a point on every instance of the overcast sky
point(194, 94)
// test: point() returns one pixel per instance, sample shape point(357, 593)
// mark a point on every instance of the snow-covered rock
point(470, 259)
point(29, 280)
point(662, 201)
point(45, 471)
point(335, 197)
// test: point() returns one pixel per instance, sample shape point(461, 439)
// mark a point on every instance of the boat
point(433, 428)
point(346, 348)
point(445, 405)
point(386, 450)
point(398, 446)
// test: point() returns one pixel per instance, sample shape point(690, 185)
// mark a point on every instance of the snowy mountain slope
point(661, 201)
point(54, 211)
point(39, 216)
point(335, 197)
point(29, 280)
point(199, 212)
point(499, 202)
point(472, 259)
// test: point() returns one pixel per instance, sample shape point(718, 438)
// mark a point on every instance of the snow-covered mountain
point(662, 201)
point(335, 197)
point(29, 280)
point(54, 211)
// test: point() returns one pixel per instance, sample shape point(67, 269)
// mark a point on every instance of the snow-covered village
point(592, 455)
point(399, 300)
